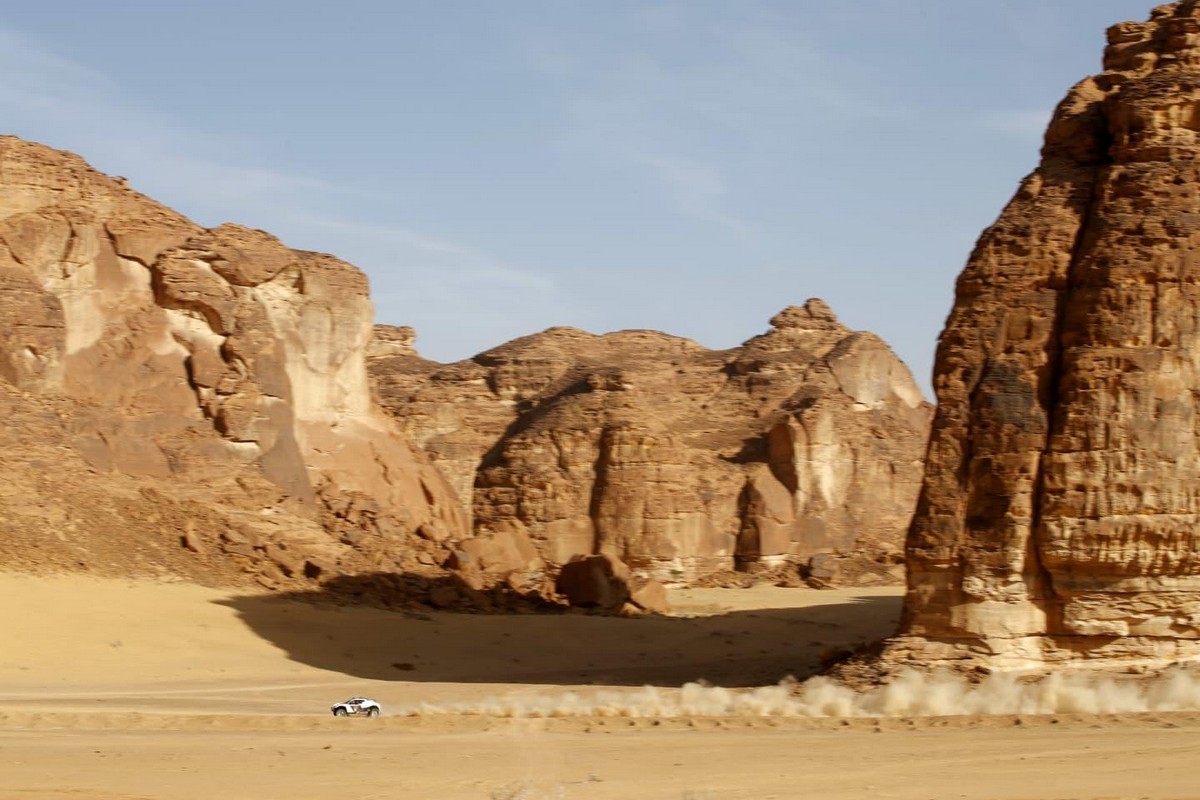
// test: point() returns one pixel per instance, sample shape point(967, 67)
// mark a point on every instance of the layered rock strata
point(215, 369)
point(1060, 513)
point(803, 445)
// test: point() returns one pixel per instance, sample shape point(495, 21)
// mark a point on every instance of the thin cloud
point(639, 116)
point(37, 79)
point(774, 70)
point(453, 262)
point(686, 98)
point(697, 189)
point(44, 92)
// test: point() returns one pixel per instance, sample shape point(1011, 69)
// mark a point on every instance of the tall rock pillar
point(1060, 514)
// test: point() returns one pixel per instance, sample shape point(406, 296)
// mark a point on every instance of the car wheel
point(340, 712)
point(372, 712)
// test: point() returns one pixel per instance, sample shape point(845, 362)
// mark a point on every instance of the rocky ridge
point(194, 402)
point(802, 446)
point(1059, 514)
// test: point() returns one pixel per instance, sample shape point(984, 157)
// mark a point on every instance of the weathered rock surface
point(205, 387)
point(194, 401)
point(1060, 513)
point(676, 459)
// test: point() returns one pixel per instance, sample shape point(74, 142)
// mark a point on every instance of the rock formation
point(1060, 513)
point(195, 401)
point(202, 385)
point(604, 582)
point(804, 445)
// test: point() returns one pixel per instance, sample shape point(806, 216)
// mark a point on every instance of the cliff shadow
point(733, 649)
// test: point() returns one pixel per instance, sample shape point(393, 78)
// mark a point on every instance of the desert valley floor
point(122, 690)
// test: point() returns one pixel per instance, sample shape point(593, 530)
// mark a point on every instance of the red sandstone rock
point(216, 368)
point(1059, 514)
point(164, 384)
point(679, 460)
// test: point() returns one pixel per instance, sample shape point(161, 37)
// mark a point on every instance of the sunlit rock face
point(204, 357)
point(803, 445)
point(1060, 514)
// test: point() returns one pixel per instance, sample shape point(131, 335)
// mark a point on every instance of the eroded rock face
point(208, 360)
point(1061, 506)
point(677, 459)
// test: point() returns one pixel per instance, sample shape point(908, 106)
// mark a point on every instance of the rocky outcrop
point(1060, 510)
point(218, 363)
point(676, 459)
point(195, 401)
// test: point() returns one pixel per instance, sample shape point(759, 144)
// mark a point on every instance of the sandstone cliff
point(166, 383)
point(803, 445)
point(195, 402)
point(1061, 505)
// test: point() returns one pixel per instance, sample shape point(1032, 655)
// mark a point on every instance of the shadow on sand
point(740, 648)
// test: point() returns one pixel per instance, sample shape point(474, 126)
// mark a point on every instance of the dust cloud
point(910, 693)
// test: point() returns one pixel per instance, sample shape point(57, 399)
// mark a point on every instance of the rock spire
point(1060, 514)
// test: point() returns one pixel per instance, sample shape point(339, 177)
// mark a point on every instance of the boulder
point(597, 581)
point(650, 596)
point(501, 552)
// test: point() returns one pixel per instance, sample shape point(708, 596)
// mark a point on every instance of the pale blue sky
point(501, 167)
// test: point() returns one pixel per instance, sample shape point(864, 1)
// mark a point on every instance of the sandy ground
point(122, 689)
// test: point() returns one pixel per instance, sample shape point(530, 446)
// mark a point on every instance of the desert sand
point(122, 689)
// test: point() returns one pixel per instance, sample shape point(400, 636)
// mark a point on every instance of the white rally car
point(356, 707)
